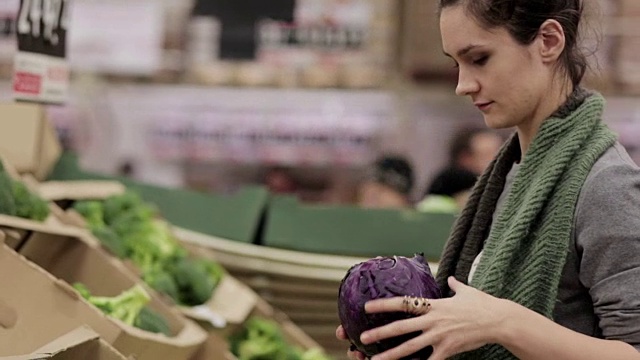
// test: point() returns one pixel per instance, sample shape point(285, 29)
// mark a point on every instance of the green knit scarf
point(525, 251)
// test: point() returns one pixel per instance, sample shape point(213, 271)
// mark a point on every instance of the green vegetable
point(83, 290)
point(194, 282)
point(214, 269)
point(110, 240)
point(162, 281)
point(124, 307)
point(152, 321)
point(17, 200)
point(129, 307)
point(7, 202)
point(262, 339)
point(92, 212)
point(129, 228)
point(314, 354)
point(152, 238)
point(28, 204)
point(119, 205)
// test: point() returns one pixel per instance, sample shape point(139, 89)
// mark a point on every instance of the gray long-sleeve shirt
point(599, 292)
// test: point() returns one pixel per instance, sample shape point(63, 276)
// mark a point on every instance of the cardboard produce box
point(79, 344)
point(251, 303)
point(215, 348)
point(293, 334)
point(231, 302)
point(27, 138)
point(303, 285)
point(40, 289)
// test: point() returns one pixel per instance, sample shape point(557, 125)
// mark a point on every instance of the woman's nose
point(466, 84)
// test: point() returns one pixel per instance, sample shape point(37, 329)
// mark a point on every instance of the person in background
point(470, 152)
point(448, 192)
point(279, 181)
point(127, 168)
point(473, 149)
point(389, 184)
point(544, 260)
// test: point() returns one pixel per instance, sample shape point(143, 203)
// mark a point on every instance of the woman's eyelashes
point(480, 61)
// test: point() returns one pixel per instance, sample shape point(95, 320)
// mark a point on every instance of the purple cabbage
point(383, 277)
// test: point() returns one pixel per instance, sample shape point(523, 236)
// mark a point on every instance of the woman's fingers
point(405, 349)
point(400, 304)
point(355, 355)
point(352, 354)
point(393, 329)
point(393, 304)
point(340, 333)
point(456, 285)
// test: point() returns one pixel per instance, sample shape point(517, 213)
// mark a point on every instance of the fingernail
point(364, 337)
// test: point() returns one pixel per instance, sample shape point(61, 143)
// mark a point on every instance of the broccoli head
point(110, 240)
point(124, 307)
point(162, 282)
point(129, 202)
point(314, 354)
point(7, 202)
point(194, 281)
point(92, 212)
point(261, 339)
point(152, 321)
point(214, 269)
point(151, 241)
point(28, 204)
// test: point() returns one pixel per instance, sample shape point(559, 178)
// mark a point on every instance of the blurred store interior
point(329, 106)
point(209, 95)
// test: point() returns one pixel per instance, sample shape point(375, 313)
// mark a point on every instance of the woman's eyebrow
point(464, 50)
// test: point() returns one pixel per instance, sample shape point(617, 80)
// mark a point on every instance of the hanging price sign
point(41, 72)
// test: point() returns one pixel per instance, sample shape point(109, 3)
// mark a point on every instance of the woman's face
point(505, 80)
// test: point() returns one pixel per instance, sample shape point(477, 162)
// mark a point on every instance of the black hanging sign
point(41, 72)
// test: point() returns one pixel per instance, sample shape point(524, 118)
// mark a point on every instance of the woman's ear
point(552, 41)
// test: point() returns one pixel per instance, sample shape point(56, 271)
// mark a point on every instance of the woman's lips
point(483, 106)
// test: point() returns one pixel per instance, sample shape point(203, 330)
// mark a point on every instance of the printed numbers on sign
point(42, 18)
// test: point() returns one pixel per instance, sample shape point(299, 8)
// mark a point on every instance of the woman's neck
point(547, 107)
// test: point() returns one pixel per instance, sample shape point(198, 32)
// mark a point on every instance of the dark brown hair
point(523, 18)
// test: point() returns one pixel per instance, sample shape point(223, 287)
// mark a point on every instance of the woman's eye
point(481, 61)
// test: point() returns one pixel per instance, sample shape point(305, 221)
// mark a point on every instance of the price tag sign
point(41, 72)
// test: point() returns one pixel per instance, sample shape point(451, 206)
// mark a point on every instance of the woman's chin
point(496, 123)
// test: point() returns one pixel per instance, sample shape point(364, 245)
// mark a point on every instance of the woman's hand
point(462, 323)
point(352, 354)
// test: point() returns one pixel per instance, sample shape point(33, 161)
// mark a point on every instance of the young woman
point(549, 241)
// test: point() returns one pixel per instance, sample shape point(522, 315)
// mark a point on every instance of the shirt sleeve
point(608, 244)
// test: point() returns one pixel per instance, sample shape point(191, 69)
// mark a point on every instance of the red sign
point(27, 83)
